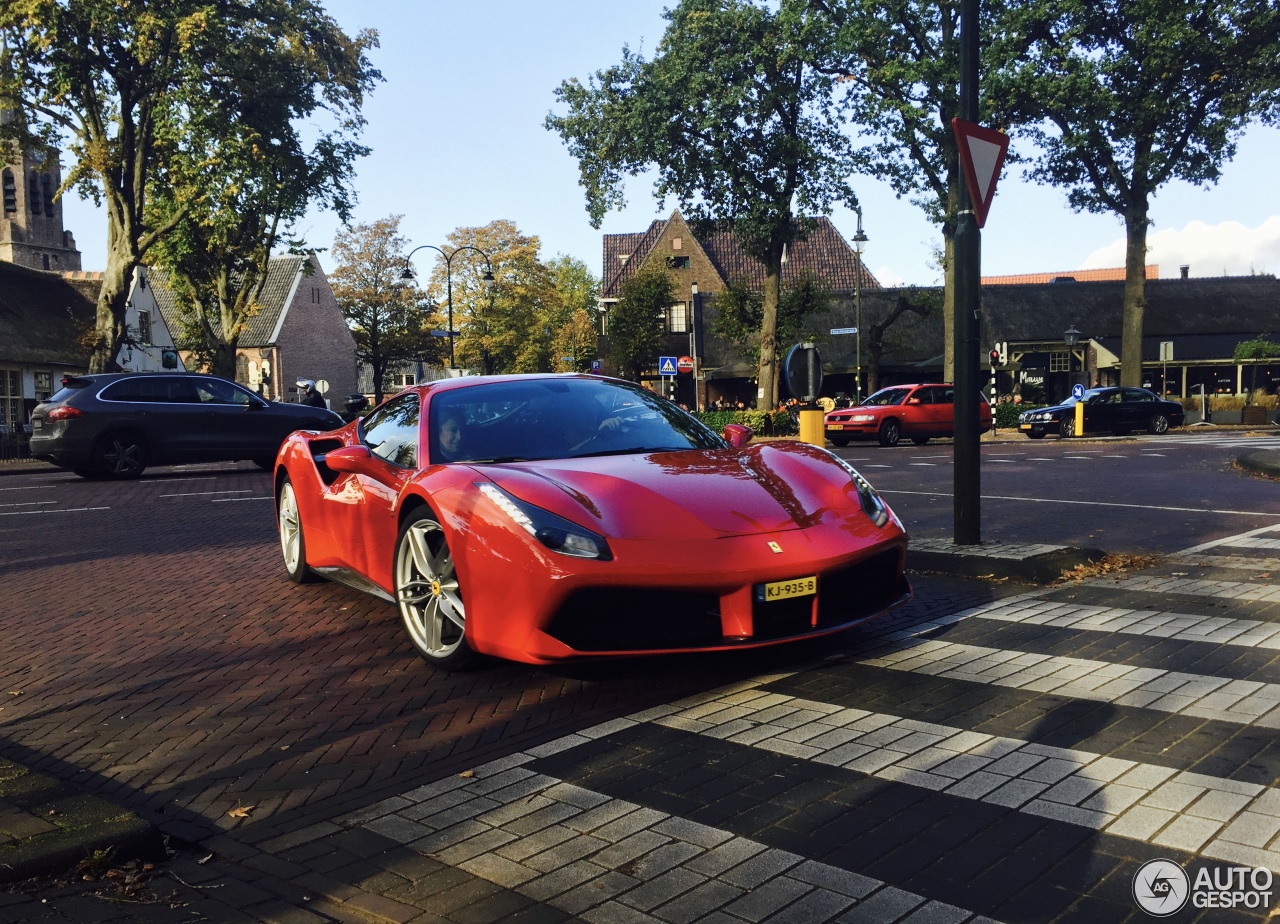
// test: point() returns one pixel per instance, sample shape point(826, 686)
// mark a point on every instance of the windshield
point(1088, 398)
point(886, 396)
point(564, 418)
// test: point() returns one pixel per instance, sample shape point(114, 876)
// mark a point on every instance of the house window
point(44, 386)
point(403, 380)
point(678, 262)
point(144, 327)
point(45, 258)
point(11, 413)
point(33, 191)
point(1059, 362)
point(678, 319)
point(46, 190)
point(10, 193)
point(315, 296)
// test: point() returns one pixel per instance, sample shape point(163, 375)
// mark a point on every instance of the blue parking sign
point(595, 365)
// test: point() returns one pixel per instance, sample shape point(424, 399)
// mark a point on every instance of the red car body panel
point(918, 419)
point(715, 522)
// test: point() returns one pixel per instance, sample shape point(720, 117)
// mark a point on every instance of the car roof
point(470, 381)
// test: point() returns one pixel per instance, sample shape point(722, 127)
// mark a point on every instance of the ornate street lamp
point(407, 279)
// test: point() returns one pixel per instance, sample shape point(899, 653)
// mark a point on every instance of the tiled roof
point(1111, 274)
point(281, 273)
point(42, 316)
point(82, 274)
point(823, 253)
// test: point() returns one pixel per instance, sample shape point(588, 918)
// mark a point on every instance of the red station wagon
point(918, 412)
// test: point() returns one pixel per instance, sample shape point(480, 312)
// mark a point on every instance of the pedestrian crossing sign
point(666, 365)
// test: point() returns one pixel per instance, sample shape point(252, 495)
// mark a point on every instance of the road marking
point(202, 493)
point(943, 456)
point(30, 487)
point(633, 863)
point(224, 500)
point(1083, 458)
point(1226, 540)
point(1256, 704)
point(171, 480)
point(20, 513)
point(1005, 461)
point(28, 503)
point(1226, 590)
point(1054, 500)
point(931, 464)
point(1039, 459)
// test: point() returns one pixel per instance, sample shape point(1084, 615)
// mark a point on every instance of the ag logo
point(1161, 887)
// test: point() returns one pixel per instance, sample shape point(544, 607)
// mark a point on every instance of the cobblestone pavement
point(988, 753)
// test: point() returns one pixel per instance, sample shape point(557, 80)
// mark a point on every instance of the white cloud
point(888, 278)
point(1228, 249)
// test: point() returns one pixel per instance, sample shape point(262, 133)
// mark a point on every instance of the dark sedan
point(116, 425)
point(1106, 410)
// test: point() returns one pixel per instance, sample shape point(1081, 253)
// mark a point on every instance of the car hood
point(693, 494)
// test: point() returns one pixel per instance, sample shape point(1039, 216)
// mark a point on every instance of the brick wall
point(314, 341)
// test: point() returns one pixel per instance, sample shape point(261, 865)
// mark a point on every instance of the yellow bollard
point(811, 427)
point(1080, 417)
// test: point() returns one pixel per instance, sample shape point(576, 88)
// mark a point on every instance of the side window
point(391, 433)
point(182, 391)
point(213, 391)
point(120, 391)
point(944, 394)
point(1137, 394)
point(923, 395)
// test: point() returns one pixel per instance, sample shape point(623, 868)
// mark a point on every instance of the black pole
point(968, 301)
point(448, 287)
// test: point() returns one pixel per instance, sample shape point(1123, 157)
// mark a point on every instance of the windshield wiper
point(633, 450)
point(499, 460)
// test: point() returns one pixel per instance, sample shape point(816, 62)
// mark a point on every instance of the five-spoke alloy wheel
point(292, 543)
point(427, 593)
point(890, 433)
point(120, 455)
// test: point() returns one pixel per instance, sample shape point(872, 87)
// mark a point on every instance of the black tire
point(121, 455)
point(839, 440)
point(1036, 434)
point(1067, 428)
point(428, 594)
point(919, 440)
point(1158, 425)
point(890, 433)
point(289, 526)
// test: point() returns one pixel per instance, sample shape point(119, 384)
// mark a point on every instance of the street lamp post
point(1071, 337)
point(407, 277)
point(859, 245)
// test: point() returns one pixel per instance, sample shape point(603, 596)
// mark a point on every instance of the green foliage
point(740, 311)
point(1257, 349)
point(736, 115)
point(391, 325)
point(762, 423)
point(635, 321)
point(1006, 415)
point(573, 321)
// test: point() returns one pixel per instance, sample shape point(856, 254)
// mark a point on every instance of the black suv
point(116, 425)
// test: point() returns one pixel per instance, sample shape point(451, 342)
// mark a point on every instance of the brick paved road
point(989, 753)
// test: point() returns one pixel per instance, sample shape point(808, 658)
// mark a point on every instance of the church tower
point(31, 231)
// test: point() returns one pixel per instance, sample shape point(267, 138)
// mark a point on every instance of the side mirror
point(913, 401)
point(350, 459)
point(736, 435)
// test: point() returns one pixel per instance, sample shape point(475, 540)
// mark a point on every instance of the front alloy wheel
point(428, 595)
point(1068, 426)
point(1159, 424)
point(890, 433)
point(292, 544)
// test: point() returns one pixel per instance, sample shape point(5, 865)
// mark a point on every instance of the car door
point(943, 410)
point(238, 420)
point(1137, 407)
point(1103, 412)
point(180, 424)
point(362, 507)
point(917, 412)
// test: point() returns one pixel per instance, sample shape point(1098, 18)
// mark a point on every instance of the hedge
point(1006, 415)
point(762, 423)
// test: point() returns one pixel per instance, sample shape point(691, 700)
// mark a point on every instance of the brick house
point(703, 267)
point(298, 331)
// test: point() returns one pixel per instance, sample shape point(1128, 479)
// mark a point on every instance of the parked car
point(115, 425)
point(1115, 410)
point(918, 412)
point(547, 517)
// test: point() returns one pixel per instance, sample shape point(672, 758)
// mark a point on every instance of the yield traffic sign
point(982, 153)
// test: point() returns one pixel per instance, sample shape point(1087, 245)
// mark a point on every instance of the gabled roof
point(42, 316)
point(823, 254)
point(282, 275)
point(1110, 274)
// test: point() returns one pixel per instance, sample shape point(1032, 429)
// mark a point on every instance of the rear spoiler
point(75, 381)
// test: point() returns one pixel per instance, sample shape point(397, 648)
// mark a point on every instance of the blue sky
point(457, 140)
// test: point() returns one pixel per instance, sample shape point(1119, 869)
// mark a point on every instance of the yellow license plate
point(783, 590)
point(1024, 426)
point(835, 426)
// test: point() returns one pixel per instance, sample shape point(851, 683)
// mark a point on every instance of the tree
point(1254, 351)
point(635, 322)
point(1126, 95)
point(392, 325)
point(923, 306)
point(504, 327)
point(899, 60)
point(573, 319)
point(128, 84)
point(739, 310)
point(242, 176)
point(737, 114)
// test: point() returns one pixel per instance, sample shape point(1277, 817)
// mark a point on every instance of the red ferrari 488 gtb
point(547, 517)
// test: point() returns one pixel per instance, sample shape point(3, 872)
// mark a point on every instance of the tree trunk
point(949, 291)
point(222, 360)
point(768, 375)
point(873, 367)
point(1135, 295)
point(109, 320)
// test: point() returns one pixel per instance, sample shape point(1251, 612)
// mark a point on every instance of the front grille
point(781, 618)
point(637, 619)
point(860, 590)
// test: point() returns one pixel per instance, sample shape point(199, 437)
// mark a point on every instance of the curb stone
point(1261, 461)
point(1037, 564)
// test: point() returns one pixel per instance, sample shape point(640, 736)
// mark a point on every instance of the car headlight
point(555, 532)
point(862, 418)
point(868, 497)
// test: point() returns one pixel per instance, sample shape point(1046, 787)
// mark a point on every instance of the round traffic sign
point(685, 363)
